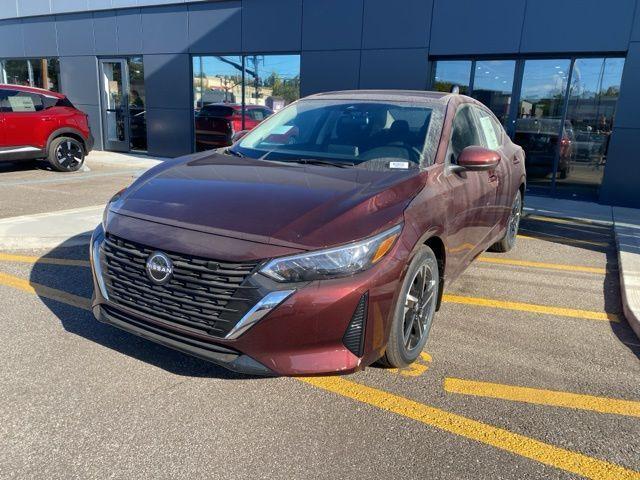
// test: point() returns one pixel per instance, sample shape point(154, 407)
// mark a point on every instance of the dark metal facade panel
point(169, 131)
point(164, 74)
point(105, 33)
point(332, 24)
point(79, 79)
point(271, 26)
point(329, 70)
point(11, 39)
point(165, 29)
point(215, 27)
point(40, 37)
point(403, 24)
point(628, 106)
point(395, 68)
point(577, 26)
point(622, 174)
point(129, 25)
point(469, 27)
point(75, 34)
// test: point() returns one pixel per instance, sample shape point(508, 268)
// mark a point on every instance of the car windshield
point(343, 132)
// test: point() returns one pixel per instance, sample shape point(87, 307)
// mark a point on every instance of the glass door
point(115, 104)
point(541, 129)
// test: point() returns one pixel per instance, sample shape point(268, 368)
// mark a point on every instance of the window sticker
point(403, 165)
point(21, 104)
point(489, 133)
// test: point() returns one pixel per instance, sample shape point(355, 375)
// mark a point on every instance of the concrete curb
point(627, 232)
point(49, 230)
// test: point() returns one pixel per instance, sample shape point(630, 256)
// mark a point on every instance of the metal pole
point(565, 107)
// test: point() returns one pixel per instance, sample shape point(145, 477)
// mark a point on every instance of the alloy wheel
point(514, 218)
point(69, 154)
point(419, 307)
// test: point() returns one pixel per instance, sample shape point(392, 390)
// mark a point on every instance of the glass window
point(353, 132)
point(33, 72)
point(464, 133)
point(594, 91)
point(16, 72)
point(137, 102)
point(267, 83)
point(490, 129)
point(452, 73)
point(492, 85)
point(538, 126)
point(22, 102)
point(272, 80)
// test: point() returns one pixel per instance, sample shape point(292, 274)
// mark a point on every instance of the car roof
point(411, 96)
point(39, 91)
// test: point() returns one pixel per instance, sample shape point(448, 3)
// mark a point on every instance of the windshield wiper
point(318, 161)
point(228, 151)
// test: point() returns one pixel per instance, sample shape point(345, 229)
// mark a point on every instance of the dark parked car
point(323, 254)
point(217, 123)
point(37, 123)
point(539, 137)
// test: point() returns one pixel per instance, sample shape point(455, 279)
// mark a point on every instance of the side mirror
point(238, 135)
point(477, 159)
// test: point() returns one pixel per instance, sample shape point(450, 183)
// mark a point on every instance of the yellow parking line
point(7, 257)
point(561, 239)
point(44, 291)
point(416, 368)
point(543, 397)
point(549, 266)
point(531, 307)
point(515, 443)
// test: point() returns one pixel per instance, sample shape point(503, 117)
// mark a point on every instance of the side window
point(464, 133)
point(22, 102)
point(492, 137)
point(257, 114)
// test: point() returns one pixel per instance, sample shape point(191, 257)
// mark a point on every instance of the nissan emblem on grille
point(159, 268)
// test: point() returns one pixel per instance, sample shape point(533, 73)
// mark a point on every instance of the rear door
point(472, 195)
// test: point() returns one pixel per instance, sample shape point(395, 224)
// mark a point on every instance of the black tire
point(66, 154)
point(399, 352)
point(508, 241)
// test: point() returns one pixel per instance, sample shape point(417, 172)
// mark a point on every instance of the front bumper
point(302, 335)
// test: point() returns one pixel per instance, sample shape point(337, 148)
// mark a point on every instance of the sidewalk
point(626, 227)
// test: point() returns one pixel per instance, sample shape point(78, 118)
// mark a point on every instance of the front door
point(472, 195)
point(114, 83)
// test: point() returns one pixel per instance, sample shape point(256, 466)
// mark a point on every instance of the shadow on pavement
point(78, 281)
point(595, 237)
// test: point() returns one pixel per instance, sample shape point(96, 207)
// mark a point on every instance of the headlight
point(106, 209)
point(334, 262)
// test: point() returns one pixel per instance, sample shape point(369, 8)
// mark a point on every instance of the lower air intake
point(353, 338)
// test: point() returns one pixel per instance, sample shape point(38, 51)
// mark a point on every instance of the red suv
point(216, 123)
point(37, 123)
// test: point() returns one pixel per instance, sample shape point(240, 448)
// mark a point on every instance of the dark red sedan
point(318, 252)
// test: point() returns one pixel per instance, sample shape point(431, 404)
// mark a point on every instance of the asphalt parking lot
point(530, 372)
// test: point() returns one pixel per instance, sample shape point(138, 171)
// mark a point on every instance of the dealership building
point(563, 76)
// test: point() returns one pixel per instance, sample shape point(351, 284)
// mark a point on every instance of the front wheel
point(509, 240)
point(414, 310)
point(66, 154)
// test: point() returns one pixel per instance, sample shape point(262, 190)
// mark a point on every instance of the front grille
point(205, 295)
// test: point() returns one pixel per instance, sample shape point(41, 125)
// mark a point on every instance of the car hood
point(293, 205)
